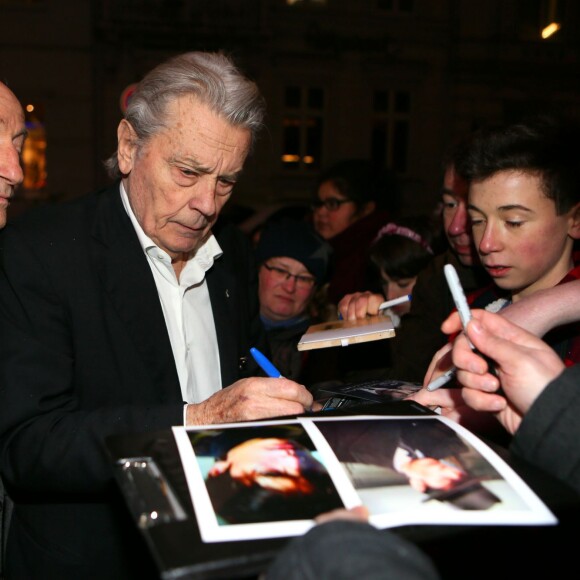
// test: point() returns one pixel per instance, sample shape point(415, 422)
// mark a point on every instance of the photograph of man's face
point(269, 473)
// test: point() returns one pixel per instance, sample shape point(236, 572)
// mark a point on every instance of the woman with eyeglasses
point(293, 262)
point(346, 212)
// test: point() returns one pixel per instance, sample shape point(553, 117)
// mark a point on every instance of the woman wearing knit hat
point(293, 263)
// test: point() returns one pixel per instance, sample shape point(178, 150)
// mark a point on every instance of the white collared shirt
point(188, 314)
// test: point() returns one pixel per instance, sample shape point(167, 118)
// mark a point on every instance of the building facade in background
point(396, 81)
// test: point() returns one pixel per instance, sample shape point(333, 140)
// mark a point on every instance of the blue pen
point(268, 367)
point(265, 364)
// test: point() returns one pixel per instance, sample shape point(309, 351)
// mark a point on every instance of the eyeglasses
point(330, 203)
point(281, 275)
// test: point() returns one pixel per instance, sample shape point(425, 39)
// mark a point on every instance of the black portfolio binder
point(150, 475)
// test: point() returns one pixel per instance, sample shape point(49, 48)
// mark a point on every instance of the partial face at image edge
point(12, 136)
point(456, 218)
point(523, 244)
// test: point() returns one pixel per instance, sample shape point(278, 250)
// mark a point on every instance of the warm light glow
point(290, 158)
point(34, 152)
point(550, 29)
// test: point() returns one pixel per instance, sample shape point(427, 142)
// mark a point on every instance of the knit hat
point(297, 240)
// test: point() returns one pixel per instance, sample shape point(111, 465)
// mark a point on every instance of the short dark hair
point(544, 145)
point(398, 253)
point(361, 181)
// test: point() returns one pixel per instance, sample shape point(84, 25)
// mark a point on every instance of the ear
point(126, 147)
point(367, 208)
point(574, 227)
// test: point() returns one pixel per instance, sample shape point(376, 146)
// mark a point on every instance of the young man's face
point(522, 243)
point(456, 219)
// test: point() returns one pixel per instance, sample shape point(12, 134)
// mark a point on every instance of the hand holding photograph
point(270, 479)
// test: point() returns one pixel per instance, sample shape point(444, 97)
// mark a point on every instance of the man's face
point(281, 296)
point(273, 463)
point(179, 180)
point(456, 219)
point(522, 243)
point(12, 135)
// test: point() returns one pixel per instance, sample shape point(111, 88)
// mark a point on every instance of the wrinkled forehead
point(455, 185)
point(11, 113)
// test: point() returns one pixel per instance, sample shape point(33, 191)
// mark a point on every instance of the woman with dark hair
point(401, 249)
point(347, 211)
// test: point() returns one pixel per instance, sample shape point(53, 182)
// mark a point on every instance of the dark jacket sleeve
point(237, 265)
point(88, 354)
point(70, 377)
point(548, 435)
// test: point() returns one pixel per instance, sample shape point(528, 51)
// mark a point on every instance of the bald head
point(12, 135)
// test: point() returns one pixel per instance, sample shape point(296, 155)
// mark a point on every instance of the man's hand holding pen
point(249, 400)
point(268, 367)
point(526, 366)
point(446, 400)
point(451, 401)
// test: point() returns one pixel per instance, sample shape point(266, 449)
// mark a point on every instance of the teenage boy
point(524, 206)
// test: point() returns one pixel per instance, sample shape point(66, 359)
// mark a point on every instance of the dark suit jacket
point(375, 442)
point(85, 354)
point(549, 432)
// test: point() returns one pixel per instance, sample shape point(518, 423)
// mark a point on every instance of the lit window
point(302, 128)
point(34, 151)
point(390, 131)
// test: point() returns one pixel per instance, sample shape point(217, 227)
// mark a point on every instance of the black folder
point(149, 472)
point(150, 475)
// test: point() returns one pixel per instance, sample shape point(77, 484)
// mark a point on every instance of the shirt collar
point(205, 255)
